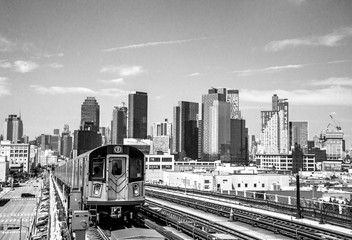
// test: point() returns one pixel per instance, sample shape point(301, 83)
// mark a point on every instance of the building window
point(154, 166)
point(166, 166)
point(206, 181)
point(263, 185)
point(166, 160)
point(154, 159)
point(245, 185)
point(239, 185)
point(255, 185)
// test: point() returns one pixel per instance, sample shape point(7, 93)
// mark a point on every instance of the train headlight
point(96, 189)
point(136, 190)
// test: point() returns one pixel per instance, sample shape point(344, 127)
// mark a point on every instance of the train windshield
point(136, 170)
point(118, 166)
point(98, 168)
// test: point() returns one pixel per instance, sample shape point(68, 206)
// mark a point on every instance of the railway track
point(291, 229)
point(96, 233)
point(192, 225)
point(314, 212)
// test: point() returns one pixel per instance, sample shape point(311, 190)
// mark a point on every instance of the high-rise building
point(214, 94)
point(105, 135)
point(162, 129)
point(88, 137)
point(233, 98)
point(118, 125)
point(55, 142)
point(137, 115)
point(56, 131)
point(239, 154)
point(299, 134)
point(66, 142)
point(274, 136)
point(13, 128)
point(219, 125)
point(66, 145)
point(185, 130)
point(90, 111)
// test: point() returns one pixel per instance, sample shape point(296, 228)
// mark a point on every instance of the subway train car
point(108, 181)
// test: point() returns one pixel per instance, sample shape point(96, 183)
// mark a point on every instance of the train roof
point(111, 149)
point(136, 233)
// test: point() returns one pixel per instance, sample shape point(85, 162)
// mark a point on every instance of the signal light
point(97, 189)
point(136, 190)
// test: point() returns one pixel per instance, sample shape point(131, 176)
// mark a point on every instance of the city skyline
point(55, 54)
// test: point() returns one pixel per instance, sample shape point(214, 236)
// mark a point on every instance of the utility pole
point(20, 227)
point(298, 198)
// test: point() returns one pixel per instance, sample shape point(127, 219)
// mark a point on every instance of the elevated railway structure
point(281, 224)
point(324, 212)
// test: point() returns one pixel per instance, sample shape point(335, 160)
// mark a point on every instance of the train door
point(117, 177)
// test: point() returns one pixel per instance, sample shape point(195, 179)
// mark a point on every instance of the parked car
point(27, 195)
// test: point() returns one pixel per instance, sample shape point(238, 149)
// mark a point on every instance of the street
point(17, 215)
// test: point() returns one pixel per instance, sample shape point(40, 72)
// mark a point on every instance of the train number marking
point(118, 149)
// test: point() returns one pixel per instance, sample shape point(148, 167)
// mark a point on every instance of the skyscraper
point(274, 136)
point(66, 142)
point(214, 94)
point(13, 129)
point(137, 115)
point(239, 142)
point(118, 125)
point(90, 111)
point(185, 130)
point(299, 134)
point(233, 98)
point(88, 137)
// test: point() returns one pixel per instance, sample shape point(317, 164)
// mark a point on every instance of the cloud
point(4, 90)
point(193, 74)
point(5, 44)
point(152, 44)
point(24, 66)
point(329, 40)
point(55, 65)
point(274, 69)
point(123, 70)
point(56, 90)
point(332, 82)
point(112, 81)
point(331, 96)
point(48, 55)
point(5, 64)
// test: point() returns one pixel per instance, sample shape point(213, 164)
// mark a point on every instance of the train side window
point(136, 169)
point(98, 168)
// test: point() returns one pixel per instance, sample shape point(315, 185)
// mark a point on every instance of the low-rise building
point(18, 155)
point(4, 169)
point(220, 181)
point(284, 162)
point(156, 165)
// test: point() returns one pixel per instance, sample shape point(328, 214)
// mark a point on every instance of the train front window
point(136, 169)
point(117, 166)
point(97, 168)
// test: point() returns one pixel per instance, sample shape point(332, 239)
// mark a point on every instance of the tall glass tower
point(13, 128)
point(90, 111)
point(137, 115)
point(118, 125)
point(185, 129)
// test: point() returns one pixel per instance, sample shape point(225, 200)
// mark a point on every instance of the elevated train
point(108, 181)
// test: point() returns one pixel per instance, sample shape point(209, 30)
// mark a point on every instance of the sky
point(54, 54)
